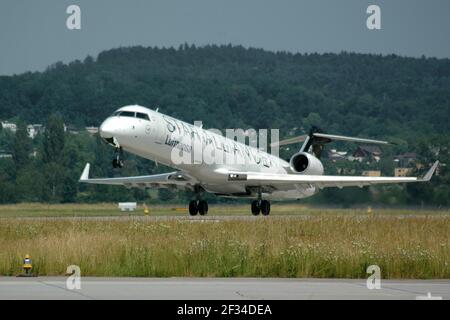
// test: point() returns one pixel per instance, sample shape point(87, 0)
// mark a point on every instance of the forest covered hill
point(225, 86)
point(406, 100)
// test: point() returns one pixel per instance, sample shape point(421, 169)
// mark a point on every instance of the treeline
point(47, 168)
point(405, 100)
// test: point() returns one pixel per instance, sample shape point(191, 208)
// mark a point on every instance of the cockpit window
point(126, 114)
point(142, 116)
point(131, 114)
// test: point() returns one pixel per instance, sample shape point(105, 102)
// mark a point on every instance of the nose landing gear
point(118, 160)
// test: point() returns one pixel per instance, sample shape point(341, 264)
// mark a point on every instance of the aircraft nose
point(107, 129)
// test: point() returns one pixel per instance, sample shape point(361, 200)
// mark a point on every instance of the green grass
point(328, 243)
point(110, 209)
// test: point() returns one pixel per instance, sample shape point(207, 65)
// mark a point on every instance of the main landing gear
point(198, 206)
point(260, 206)
point(118, 160)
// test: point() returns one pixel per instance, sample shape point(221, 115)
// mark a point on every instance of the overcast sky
point(33, 34)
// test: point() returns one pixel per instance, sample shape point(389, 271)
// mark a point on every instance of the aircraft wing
point(171, 179)
point(268, 179)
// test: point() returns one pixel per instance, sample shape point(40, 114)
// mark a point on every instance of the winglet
point(85, 174)
point(430, 172)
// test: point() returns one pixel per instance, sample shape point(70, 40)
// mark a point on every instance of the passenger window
point(127, 114)
point(142, 116)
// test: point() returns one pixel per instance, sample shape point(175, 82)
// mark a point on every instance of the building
point(70, 129)
point(402, 172)
point(346, 171)
point(371, 173)
point(31, 131)
point(34, 129)
point(34, 153)
point(440, 167)
point(367, 153)
point(333, 154)
point(406, 159)
point(293, 131)
point(92, 130)
point(5, 154)
point(9, 125)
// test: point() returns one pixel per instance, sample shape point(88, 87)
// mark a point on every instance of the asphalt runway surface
point(46, 288)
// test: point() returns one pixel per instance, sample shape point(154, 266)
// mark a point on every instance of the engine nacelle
point(306, 163)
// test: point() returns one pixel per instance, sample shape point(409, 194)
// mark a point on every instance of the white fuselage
point(195, 151)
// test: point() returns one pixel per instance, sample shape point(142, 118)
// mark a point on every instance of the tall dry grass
point(317, 246)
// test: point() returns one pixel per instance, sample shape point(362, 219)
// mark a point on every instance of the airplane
point(256, 175)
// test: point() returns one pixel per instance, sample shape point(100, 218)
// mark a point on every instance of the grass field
point(109, 209)
point(331, 243)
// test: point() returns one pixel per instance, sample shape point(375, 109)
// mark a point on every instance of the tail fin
point(316, 139)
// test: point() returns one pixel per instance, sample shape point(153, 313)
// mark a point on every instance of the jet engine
point(305, 163)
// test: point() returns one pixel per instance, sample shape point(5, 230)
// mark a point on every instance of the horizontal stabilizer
point(344, 138)
point(328, 138)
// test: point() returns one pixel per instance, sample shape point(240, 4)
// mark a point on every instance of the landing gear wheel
point(193, 208)
point(255, 207)
point(265, 207)
point(202, 207)
point(117, 163)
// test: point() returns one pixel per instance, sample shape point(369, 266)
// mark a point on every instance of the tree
point(54, 171)
point(54, 139)
point(22, 146)
point(166, 195)
point(69, 189)
point(29, 183)
point(8, 192)
point(312, 120)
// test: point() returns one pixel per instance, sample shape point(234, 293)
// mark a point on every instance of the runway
point(215, 218)
point(48, 288)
